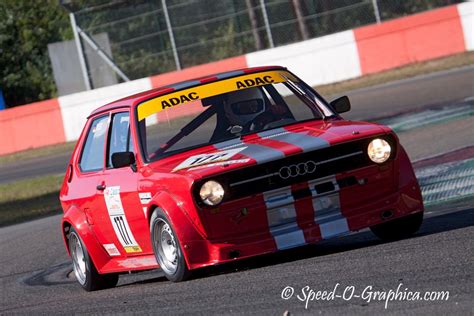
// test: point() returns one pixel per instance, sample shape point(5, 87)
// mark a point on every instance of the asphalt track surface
point(367, 104)
point(36, 277)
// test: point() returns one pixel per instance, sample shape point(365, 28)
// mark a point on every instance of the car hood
point(264, 147)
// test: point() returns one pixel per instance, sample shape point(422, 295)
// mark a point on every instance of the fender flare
point(406, 174)
point(77, 219)
point(178, 219)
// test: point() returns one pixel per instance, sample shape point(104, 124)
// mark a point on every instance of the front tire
point(84, 269)
point(398, 228)
point(167, 248)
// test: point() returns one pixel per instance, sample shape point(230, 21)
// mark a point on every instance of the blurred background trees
point(26, 28)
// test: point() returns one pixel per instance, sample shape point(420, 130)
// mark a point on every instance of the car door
point(89, 168)
point(118, 188)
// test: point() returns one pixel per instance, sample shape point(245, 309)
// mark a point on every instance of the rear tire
point(84, 269)
point(398, 228)
point(167, 248)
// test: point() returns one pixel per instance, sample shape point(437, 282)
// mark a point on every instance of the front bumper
point(328, 221)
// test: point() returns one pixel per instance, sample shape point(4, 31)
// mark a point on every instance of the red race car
point(226, 167)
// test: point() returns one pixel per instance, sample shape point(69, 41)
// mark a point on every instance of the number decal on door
point(119, 221)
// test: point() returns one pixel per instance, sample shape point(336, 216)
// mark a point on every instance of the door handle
point(101, 187)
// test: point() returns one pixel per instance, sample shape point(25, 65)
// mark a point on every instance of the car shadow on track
point(432, 225)
point(156, 278)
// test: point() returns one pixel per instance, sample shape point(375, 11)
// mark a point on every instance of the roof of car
point(135, 99)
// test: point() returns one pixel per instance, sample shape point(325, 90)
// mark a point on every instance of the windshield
point(225, 109)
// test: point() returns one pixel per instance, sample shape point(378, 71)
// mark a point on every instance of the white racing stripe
point(282, 221)
point(262, 153)
point(282, 217)
point(327, 209)
point(259, 153)
point(300, 139)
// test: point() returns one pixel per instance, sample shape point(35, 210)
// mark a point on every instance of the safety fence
point(327, 59)
point(148, 37)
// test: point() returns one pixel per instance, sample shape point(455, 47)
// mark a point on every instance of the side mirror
point(341, 105)
point(123, 159)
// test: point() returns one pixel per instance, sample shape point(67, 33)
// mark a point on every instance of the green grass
point(38, 152)
point(28, 199)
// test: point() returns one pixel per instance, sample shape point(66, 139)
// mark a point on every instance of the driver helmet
point(243, 106)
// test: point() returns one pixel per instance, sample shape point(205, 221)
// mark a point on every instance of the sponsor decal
point(203, 159)
point(145, 197)
point(111, 250)
point(221, 163)
point(186, 96)
point(132, 249)
point(183, 98)
point(119, 221)
point(258, 81)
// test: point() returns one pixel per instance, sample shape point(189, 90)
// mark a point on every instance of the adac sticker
point(203, 159)
point(178, 98)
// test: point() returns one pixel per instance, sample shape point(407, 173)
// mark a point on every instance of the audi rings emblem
point(296, 170)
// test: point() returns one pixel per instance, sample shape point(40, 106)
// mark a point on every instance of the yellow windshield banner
point(181, 97)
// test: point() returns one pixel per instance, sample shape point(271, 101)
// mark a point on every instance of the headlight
point(211, 193)
point(379, 150)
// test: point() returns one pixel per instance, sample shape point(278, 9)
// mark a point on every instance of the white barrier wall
point(76, 107)
point(466, 12)
point(318, 61)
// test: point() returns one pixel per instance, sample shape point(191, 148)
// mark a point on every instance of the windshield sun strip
point(290, 81)
point(182, 97)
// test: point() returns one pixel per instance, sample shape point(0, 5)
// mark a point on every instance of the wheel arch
point(179, 220)
point(75, 218)
point(65, 230)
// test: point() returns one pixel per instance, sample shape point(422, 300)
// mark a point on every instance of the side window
point(92, 157)
point(120, 138)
